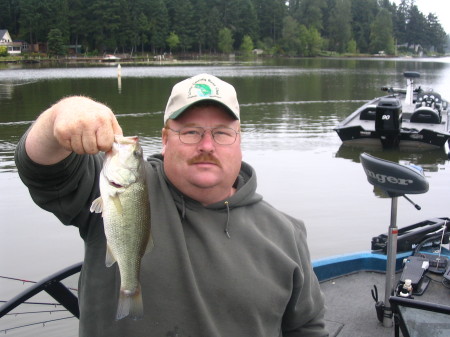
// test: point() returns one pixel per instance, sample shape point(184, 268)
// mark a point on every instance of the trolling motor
point(395, 180)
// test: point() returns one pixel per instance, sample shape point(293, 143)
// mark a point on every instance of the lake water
point(288, 109)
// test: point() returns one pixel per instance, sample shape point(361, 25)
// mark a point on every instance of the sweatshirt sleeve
point(64, 189)
point(304, 314)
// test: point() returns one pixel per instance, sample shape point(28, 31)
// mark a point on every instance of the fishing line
point(36, 303)
point(28, 281)
point(16, 279)
point(37, 323)
point(34, 312)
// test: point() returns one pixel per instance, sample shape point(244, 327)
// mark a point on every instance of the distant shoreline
point(199, 59)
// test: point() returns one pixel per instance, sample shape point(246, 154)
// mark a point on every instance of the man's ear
point(164, 133)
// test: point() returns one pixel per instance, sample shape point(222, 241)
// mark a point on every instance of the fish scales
point(125, 209)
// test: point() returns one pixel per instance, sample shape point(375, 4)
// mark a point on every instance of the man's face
point(205, 171)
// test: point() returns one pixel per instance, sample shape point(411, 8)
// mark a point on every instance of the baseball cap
point(202, 87)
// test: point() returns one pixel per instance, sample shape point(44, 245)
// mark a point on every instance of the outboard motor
point(388, 120)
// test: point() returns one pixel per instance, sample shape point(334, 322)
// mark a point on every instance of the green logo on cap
point(203, 90)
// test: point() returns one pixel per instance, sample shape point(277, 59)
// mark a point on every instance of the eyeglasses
point(194, 134)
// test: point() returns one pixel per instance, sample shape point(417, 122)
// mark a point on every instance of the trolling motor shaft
point(396, 180)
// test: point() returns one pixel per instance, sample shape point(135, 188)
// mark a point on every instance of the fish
point(125, 208)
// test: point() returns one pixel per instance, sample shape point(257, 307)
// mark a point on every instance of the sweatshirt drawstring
point(183, 207)
point(228, 220)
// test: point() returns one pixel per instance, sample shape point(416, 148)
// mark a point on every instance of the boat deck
point(369, 125)
point(351, 308)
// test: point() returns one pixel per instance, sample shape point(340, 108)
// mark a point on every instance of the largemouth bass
point(125, 209)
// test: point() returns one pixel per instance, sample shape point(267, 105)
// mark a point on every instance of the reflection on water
point(431, 160)
point(6, 91)
point(7, 156)
point(288, 114)
point(434, 160)
point(292, 105)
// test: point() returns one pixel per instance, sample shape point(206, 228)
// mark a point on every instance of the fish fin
point(150, 245)
point(97, 205)
point(109, 259)
point(130, 304)
point(117, 204)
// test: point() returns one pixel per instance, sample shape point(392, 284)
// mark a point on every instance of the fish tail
point(130, 304)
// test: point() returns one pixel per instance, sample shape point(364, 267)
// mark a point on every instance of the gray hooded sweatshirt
point(236, 268)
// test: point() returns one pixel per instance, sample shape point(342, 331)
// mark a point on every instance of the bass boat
point(410, 263)
point(404, 117)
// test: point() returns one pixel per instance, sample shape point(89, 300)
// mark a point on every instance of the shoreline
point(158, 60)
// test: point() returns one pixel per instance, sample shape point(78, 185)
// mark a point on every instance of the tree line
point(279, 27)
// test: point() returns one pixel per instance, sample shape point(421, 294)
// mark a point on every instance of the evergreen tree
point(200, 27)
point(129, 25)
point(340, 29)
point(381, 38)
point(55, 43)
point(291, 37)
point(30, 16)
point(399, 22)
point(363, 15)
point(102, 34)
point(415, 27)
point(309, 13)
point(9, 16)
point(143, 29)
point(182, 22)
point(270, 14)
point(244, 22)
point(435, 34)
point(78, 22)
point(158, 19)
point(212, 28)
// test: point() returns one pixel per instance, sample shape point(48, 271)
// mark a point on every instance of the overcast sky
point(439, 7)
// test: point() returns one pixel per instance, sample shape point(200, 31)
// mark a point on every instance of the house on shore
point(14, 48)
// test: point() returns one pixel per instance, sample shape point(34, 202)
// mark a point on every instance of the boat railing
point(54, 287)
point(430, 319)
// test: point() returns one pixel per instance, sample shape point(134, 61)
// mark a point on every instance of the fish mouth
point(114, 184)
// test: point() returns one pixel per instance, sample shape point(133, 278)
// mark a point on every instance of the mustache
point(204, 158)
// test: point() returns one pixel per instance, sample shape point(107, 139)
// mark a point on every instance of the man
point(225, 263)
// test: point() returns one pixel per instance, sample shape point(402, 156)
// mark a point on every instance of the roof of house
point(4, 32)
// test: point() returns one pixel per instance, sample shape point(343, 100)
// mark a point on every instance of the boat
point(404, 117)
point(110, 58)
point(412, 264)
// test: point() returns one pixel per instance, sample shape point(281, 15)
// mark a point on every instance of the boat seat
point(393, 178)
point(425, 115)
point(419, 318)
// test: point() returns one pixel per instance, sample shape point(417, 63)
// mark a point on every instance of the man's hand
point(74, 124)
